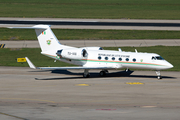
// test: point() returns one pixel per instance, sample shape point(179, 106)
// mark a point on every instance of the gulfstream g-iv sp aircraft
point(93, 57)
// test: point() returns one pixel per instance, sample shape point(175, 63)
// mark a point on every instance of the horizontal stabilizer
point(34, 27)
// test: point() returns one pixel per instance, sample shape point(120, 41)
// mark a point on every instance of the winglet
point(31, 65)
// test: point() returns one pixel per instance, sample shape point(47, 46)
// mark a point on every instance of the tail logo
point(43, 32)
point(48, 42)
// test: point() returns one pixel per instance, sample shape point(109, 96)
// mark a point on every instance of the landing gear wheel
point(102, 73)
point(159, 77)
point(86, 75)
point(127, 70)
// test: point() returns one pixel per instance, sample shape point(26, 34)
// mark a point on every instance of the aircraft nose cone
point(170, 66)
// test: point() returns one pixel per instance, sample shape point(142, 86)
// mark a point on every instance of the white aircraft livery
point(93, 57)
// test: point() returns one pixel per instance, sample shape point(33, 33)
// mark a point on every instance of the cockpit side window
point(159, 58)
point(153, 58)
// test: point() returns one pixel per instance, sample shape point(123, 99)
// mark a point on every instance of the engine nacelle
point(92, 48)
point(72, 53)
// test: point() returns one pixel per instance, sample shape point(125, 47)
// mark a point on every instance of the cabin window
point(134, 60)
point(120, 59)
point(113, 58)
point(99, 57)
point(106, 58)
point(127, 59)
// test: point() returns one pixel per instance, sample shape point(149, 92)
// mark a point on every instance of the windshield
point(157, 58)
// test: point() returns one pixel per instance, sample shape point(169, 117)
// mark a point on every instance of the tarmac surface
point(28, 94)
point(99, 43)
point(120, 24)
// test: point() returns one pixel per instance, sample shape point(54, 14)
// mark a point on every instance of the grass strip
point(110, 9)
point(85, 34)
point(8, 56)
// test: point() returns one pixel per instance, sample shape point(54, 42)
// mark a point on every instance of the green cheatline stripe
point(106, 61)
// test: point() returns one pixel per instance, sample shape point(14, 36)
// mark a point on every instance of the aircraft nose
point(170, 65)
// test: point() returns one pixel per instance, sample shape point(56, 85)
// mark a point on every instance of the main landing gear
point(87, 75)
point(103, 73)
point(159, 75)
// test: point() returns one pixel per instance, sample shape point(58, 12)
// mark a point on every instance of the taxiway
point(119, 24)
point(52, 95)
point(101, 43)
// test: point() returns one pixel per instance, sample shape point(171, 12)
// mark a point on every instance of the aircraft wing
point(31, 65)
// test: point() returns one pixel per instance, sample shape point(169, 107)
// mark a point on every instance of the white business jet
point(93, 57)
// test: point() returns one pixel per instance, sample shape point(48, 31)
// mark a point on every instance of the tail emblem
point(48, 42)
point(43, 32)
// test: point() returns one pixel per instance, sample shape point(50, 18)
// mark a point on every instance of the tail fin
point(47, 39)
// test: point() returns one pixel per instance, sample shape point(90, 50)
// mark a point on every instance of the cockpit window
point(157, 58)
point(101, 48)
point(153, 58)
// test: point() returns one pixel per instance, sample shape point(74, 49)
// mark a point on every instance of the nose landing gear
point(159, 75)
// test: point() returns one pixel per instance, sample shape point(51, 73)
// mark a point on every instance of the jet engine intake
point(73, 53)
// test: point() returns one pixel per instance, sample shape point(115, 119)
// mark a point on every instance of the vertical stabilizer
point(47, 39)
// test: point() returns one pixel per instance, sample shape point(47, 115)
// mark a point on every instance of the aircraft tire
point(159, 77)
point(86, 76)
point(102, 73)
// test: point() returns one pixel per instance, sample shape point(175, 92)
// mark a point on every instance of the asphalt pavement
point(121, 24)
point(29, 94)
point(100, 43)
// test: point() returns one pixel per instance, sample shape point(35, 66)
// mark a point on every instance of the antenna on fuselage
point(119, 49)
point(136, 51)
